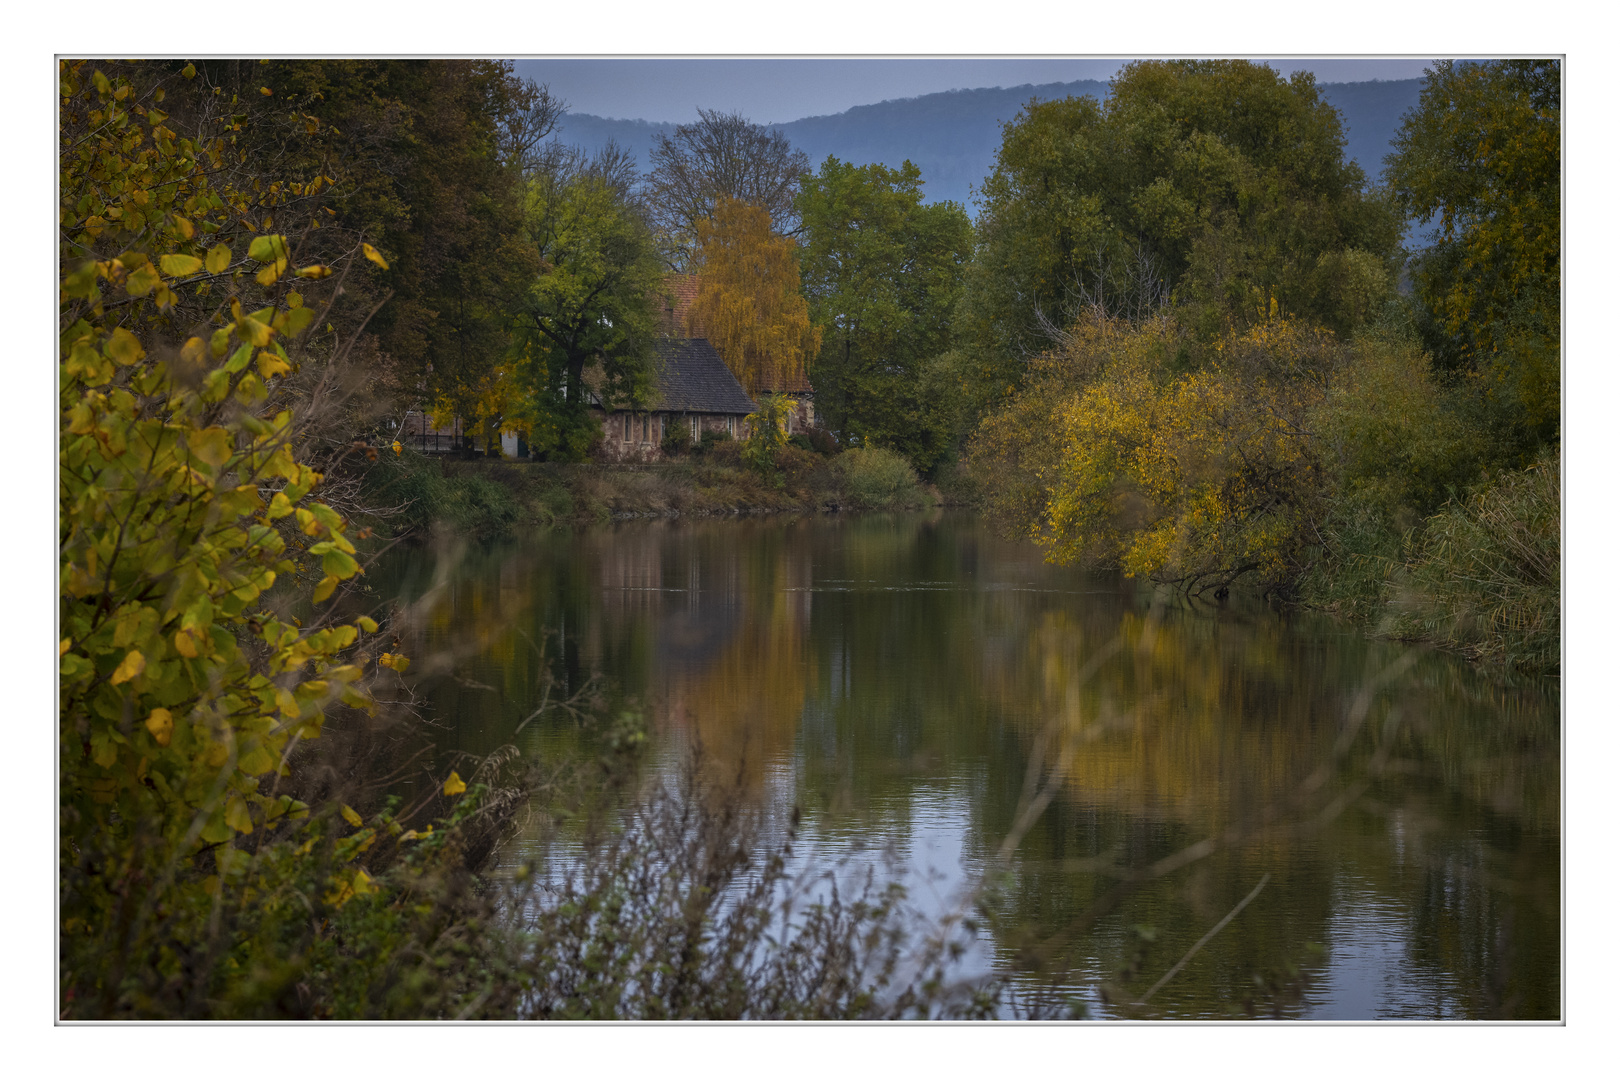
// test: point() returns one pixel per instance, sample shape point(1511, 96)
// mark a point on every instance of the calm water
point(894, 677)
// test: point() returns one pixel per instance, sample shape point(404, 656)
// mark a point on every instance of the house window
point(626, 427)
point(731, 426)
point(646, 427)
point(694, 429)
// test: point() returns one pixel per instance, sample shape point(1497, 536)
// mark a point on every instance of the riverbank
point(488, 498)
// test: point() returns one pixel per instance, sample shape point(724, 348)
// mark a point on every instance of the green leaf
point(339, 565)
point(267, 249)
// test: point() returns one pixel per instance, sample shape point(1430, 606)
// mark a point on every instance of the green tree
point(427, 161)
point(1479, 161)
point(590, 309)
point(1215, 185)
point(882, 271)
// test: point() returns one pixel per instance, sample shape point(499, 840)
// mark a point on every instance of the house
point(693, 392)
point(680, 292)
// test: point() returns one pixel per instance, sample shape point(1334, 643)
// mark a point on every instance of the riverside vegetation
point(247, 246)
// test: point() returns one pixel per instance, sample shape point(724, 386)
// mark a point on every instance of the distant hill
point(953, 136)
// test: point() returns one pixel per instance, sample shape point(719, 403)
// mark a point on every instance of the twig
point(1217, 928)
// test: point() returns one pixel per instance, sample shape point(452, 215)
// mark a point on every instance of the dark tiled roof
point(689, 376)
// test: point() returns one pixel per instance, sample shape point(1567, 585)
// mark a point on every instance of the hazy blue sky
point(768, 91)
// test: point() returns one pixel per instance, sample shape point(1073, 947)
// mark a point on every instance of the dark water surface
point(894, 676)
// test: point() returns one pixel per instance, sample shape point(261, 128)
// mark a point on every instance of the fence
point(428, 443)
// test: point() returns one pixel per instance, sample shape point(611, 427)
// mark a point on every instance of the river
point(894, 675)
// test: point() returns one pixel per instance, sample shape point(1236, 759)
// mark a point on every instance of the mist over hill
point(953, 136)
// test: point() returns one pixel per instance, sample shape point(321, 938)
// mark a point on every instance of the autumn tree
point(722, 155)
point(1479, 162)
point(749, 305)
point(1112, 457)
point(882, 271)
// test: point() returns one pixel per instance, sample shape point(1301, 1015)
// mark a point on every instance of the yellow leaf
point(362, 884)
point(124, 347)
point(455, 785)
point(183, 227)
point(132, 665)
point(315, 271)
point(364, 622)
point(271, 365)
point(267, 277)
point(266, 91)
point(185, 644)
point(324, 589)
point(351, 816)
point(219, 257)
point(236, 815)
point(192, 352)
point(256, 332)
point(212, 445)
point(180, 265)
point(142, 281)
point(67, 642)
point(371, 253)
point(161, 725)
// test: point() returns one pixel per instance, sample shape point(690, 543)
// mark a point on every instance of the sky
point(781, 90)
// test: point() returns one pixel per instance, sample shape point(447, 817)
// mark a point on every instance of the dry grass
point(1483, 576)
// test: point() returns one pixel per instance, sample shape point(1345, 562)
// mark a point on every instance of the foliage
point(882, 271)
point(419, 494)
point(767, 434)
point(1480, 159)
point(1215, 185)
point(591, 304)
point(721, 156)
point(184, 687)
point(749, 306)
point(1483, 575)
point(873, 478)
point(1391, 431)
point(428, 157)
point(1194, 477)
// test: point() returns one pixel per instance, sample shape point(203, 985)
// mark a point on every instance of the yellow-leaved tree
point(189, 534)
point(749, 304)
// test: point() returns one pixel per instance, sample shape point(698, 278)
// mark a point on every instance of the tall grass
point(1483, 575)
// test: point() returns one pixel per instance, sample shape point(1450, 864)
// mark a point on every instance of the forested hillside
point(952, 137)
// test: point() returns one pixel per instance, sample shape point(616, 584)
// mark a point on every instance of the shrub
point(710, 438)
point(873, 478)
point(1483, 575)
point(822, 442)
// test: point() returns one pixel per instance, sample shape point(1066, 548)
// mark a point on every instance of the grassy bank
point(484, 497)
point(1480, 577)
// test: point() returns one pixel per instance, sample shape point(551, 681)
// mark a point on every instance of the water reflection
point(895, 677)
